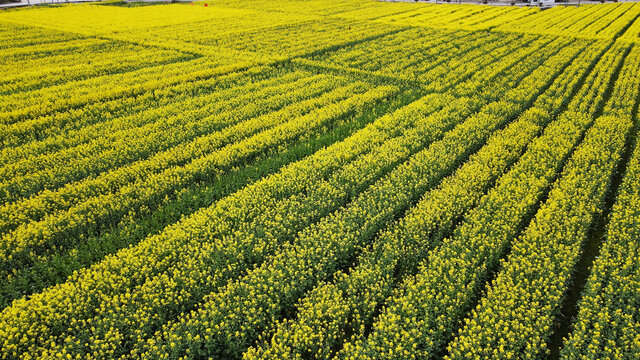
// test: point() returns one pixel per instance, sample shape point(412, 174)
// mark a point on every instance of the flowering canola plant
point(317, 179)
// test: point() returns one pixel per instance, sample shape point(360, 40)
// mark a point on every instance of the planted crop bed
point(319, 179)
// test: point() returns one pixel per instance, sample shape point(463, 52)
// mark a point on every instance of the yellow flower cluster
point(311, 179)
point(238, 313)
point(215, 152)
point(26, 71)
point(82, 152)
point(589, 21)
point(465, 17)
point(606, 325)
point(515, 318)
point(182, 250)
point(332, 312)
point(425, 310)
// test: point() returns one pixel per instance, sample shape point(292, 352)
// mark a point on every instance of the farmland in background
point(319, 179)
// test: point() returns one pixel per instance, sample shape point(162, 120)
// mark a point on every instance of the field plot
point(319, 179)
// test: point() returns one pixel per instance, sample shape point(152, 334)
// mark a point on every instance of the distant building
point(543, 3)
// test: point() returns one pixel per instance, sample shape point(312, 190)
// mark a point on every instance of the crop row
point(426, 309)
point(61, 129)
point(146, 135)
point(78, 130)
point(15, 36)
point(457, 111)
point(516, 316)
point(55, 266)
point(409, 52)
point(313, 241)
point(279, 128)
point(333, 312)
point(590, 21)
point(17, 107)
point(49, 52)
point(499, 78)
point(158, 252)
point(606, 325)
point(267, 43)
point(73, 198)
point(246, 306)
point(467, 17)
point(37, 69)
